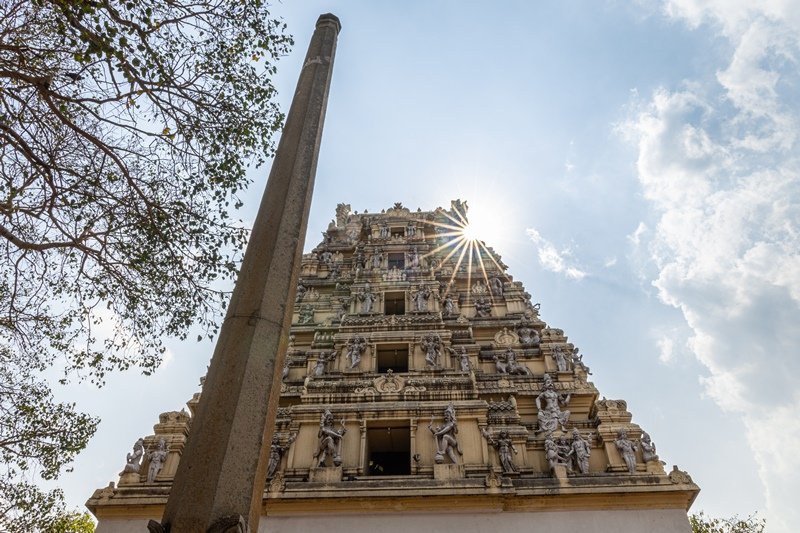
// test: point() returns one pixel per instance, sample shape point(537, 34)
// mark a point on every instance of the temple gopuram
point(423, 389)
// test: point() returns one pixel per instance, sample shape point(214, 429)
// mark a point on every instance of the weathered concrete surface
point(223, 468)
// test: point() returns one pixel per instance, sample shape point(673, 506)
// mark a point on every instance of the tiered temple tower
point(422, 388)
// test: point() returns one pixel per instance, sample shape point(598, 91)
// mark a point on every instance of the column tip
point(329, 19)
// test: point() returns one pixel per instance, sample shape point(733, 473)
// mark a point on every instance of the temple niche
point(417, 384)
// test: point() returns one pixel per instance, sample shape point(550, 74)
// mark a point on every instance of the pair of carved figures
point(445, 437)
point(330, 441)
point(483, 307)
point(508, 364)
point(574, 455)
point(157, 458)
point(463, 358)
point(548, 403)
point(627, 449)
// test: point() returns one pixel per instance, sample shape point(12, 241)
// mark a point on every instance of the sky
point(635, 164)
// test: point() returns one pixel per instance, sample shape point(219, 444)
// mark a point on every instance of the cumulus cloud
point(720, 164)
point(553, 259)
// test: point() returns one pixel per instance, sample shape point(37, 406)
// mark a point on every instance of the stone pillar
point(221, 476)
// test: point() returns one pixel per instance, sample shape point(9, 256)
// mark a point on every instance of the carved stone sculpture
point(319, 367)
point(384, 231)
point(463, 359)
point(496, 285)
point(513, 366)
point(580, 451)
point(377, 259)
point(285, 372)
point(342, 212)
point(504, 446)
point(445, 437)
point(341, 309)
point(157, 458)
point(367, 298)
point(411, 230)
point(355, 347)
point(561, 359)
point(306, 314)
point(276, 451)
point(301, 291)
point(483, 307)
point(527, 335)
point(420, 298)
point(330, 441)
point(627, 449)
point(548, 402)
point(133, 461)
point(552, 452)
point(648, 448)
point(432, 345)
point(448, 305)
point(412, 259)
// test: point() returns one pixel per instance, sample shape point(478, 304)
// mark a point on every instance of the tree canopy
point(126, 128)
point(704, 524)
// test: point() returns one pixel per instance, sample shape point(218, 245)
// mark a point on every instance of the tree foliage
point(126, 128)
point(702, 524)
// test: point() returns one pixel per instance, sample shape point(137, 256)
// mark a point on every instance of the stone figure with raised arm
point(448, 305)
point(552, 452)
point(421, 297)
point(330, 441)
point(355, 347)
point(319, 366)
point(504, 447)
point(445, 436)
point(548, 403)
point(133, 461)
point(580, 451)
point(527, 335)
point(463, 358)
point(432, 344)
point(627, 449)
point(276, 451)
point(483, 307)
point(157, 458)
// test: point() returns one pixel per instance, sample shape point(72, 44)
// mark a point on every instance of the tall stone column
point(222, 472)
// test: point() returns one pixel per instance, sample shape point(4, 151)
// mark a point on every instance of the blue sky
point(636, 165)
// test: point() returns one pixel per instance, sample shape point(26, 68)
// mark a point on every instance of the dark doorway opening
point(389, 449)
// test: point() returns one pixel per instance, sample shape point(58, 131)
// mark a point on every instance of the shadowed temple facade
point(423, 389)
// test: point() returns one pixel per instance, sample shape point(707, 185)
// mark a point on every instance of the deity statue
point(411, 229)
point(412, 259)
point(627, 449)
point(330, 441)
point(504, 447)
point(552, 452)
point(276, 452)
point(561, 360)
point(527, 335)
point(285, 372)
point(547, 403)
point(648, 448)
point(496, 285)
point(319, 366)
point(326, 257)
point(431, 343)
point(377, 259)
point(133, 461)
point(420, 298)
point(342, 308)
point(385, 233)
point(463, 358)
point(355, 347)
point(367, 298)
point(448, 305)
point(306, 314)
point(513, 366)
point(157, 458)
point(580, 451)
point(483, 307)
point(445, 436)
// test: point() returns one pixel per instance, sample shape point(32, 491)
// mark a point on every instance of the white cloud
point(721, 166)
point(666, 349)
point(636, 237)
point(553, 259)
